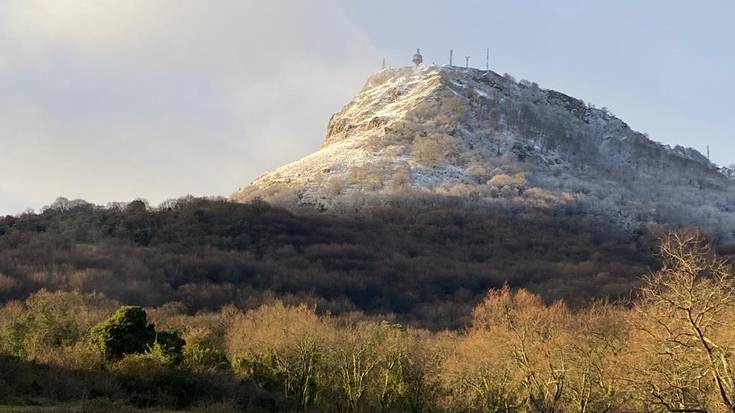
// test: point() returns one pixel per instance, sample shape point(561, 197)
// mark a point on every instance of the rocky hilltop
point(479, 138)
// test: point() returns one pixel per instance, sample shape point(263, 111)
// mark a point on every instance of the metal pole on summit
point(466, 62)
point(451, 53)
point(487, 59)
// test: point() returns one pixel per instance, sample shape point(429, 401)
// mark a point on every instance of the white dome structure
point(417, 58)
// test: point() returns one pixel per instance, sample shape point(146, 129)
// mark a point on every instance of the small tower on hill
point(417, 58)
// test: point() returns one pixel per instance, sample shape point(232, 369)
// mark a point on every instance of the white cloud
point(110, 100)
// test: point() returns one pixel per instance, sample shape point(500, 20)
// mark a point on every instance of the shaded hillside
point(429, 265)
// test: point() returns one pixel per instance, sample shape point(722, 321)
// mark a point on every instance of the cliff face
point(481, 138)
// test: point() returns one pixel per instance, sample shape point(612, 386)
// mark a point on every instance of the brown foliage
point(670, 350)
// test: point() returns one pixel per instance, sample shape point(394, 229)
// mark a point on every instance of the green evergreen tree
point(125, 332)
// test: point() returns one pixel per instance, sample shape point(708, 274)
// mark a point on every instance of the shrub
point(502, 180)
point(200, 353)
point(48, 323)
point(126, 332)
point(171, 345)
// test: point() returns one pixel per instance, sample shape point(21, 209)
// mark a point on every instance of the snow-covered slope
point(728, 171)
point(481, 138)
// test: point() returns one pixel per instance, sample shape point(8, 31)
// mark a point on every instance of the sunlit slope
point(481, 138)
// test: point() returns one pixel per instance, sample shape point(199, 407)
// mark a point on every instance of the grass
point(28, 409)
point(106, 406)
point(16, 409)
point(79, 407)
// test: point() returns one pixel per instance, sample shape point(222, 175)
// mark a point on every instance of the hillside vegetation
point(425, 265)
point(670, 350)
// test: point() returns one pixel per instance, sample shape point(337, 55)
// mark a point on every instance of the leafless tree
point(686, 322)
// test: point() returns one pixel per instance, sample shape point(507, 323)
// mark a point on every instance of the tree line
point(426, 265)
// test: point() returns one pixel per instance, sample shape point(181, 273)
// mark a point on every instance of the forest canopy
point(427, 265)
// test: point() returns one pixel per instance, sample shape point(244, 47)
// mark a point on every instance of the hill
point(486, 139)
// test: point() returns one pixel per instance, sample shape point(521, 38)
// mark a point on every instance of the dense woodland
point(670, 349)
point(425, 265)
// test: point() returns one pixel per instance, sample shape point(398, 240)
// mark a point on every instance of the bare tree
point(686, 320)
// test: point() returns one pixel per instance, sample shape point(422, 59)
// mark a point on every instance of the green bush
point(169, 345)
point(200, 354)
point(126, 332)
point(49, 322)
point(152, 380)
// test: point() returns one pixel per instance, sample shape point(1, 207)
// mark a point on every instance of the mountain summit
point(479, 138)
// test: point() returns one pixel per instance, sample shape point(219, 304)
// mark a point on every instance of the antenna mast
point(466, 62)
point(451, 54)
point(708, 152)
point(487, 59)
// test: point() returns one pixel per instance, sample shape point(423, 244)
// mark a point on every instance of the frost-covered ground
point(482, 138)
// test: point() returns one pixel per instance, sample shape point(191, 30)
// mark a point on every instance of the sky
point(116, 100)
